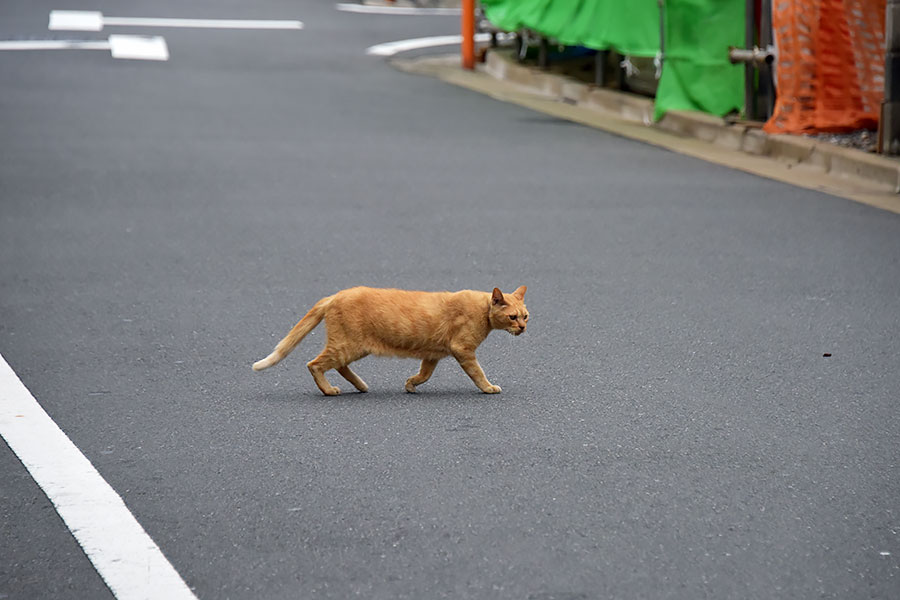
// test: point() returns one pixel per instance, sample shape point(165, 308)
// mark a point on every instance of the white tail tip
point(272, 359)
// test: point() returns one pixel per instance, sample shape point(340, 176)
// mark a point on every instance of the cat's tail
point(296, 335)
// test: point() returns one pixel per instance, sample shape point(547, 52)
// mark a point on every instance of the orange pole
point(468, 34)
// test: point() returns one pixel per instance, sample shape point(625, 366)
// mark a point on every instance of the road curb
point(824, 157)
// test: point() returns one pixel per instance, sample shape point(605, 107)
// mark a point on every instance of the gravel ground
point(863, 139)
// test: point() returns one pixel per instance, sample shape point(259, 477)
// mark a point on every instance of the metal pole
point(600, 67)
point(468, 34)
point(889, 130)
point(766, 100)
point(749, 68)
point(544, 53)
point(661, 57)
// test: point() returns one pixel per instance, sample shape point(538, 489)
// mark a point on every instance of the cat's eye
point(512, 317)
point(525, 317)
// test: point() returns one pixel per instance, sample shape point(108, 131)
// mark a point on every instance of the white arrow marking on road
point(129, 561)
point(84, 20)
point(391, 48)
point(395, 10)
point(134, 47)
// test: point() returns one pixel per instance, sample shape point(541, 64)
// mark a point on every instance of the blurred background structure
point(798, 66)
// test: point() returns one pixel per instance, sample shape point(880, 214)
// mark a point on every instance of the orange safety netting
point(830, 69)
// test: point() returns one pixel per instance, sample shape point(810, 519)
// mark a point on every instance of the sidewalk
point(806, 162)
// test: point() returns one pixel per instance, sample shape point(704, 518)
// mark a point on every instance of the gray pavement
point(668, 428)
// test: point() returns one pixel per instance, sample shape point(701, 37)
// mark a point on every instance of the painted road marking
point(395, 10)
point(137, 47)
point(133, 47)
point(84, 20)
point(54, 45)
point(392, 48)
point(75, 20)
point(127, 559)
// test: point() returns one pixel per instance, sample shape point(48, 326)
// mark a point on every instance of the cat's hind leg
point(324, 361)
point(424, 374)
point(353, 378)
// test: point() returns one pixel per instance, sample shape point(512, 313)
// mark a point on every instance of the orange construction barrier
point(830, 67)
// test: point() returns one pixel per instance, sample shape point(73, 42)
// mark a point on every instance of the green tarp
point(631, 27)
point(696, 74)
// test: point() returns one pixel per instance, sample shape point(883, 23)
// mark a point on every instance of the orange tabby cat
point(424, 325)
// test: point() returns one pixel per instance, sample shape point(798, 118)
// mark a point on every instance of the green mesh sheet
point(630, 27)
point(696, 73)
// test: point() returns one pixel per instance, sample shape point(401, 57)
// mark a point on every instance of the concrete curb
point(829, 159)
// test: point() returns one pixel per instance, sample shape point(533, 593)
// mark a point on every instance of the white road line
point(75, 20)
point(391, 48)
point(395, 10)
point(130, 563)
point(54, 45)
point(137, 47)
point(201, 23)
point(133, 47)
point(84, 20)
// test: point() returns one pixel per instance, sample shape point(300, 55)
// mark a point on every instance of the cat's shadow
point(393, 397)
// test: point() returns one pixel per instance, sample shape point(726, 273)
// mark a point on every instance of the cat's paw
point(332, 391)
point(410, 388)
point(492, 389)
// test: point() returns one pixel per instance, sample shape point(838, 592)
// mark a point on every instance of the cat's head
point(508, 311)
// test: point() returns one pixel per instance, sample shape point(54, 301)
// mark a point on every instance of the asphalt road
point(669, 426)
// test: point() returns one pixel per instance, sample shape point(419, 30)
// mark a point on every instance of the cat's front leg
point(353, 378)
point(469, 364)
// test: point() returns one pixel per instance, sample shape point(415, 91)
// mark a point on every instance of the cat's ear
point(497, 298)
point(520, 292)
